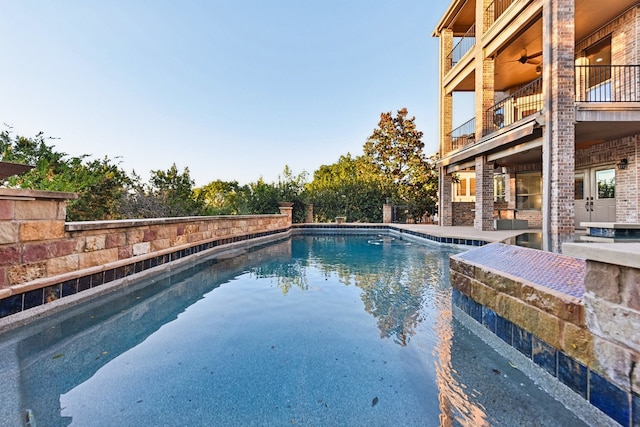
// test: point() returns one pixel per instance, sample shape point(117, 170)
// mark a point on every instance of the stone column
point(484, 195)
point(558, 149)
point(387, 213)
point(286, 208)
point(445, 206)
point(309, 217)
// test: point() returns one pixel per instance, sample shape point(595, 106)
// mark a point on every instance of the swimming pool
point(313, 330)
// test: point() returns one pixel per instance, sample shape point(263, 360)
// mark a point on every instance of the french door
point(595, 195)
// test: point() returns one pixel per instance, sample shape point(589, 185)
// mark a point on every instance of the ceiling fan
point(528, 59)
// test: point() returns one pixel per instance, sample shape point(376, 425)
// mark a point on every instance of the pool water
point(314, 331)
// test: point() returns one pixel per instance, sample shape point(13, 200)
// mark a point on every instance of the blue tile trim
point(24, 301)
point(619, 405)
point(609, 398)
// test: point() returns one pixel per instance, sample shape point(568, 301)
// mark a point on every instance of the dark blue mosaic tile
point(609, 399)
point(139, 266)
point(522, 341)
point(109, 275)
point(11, 305)
point(52, 293)
point(635, 410)
point(475, 310)
point(121, 272)
point(455, 297)
point(489, 319)
point(573, 374)
point(69, 287)
point(33, 298)
point(504, 329)
point(97, 279)
point(545, 356)
point(146, 264)
point(84, 283)
point(464, 303)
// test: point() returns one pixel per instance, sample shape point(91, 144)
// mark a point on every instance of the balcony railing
point(522, 103)
point(463, 135)
point(494, 10)
point(607, 83)
point(463, 46)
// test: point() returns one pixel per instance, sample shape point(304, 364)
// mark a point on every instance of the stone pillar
point(484, 195)
point(309, 217)
point(286, 208)
point(445, 206)
point(558, 147)
point(31, 229)
point(387, 213)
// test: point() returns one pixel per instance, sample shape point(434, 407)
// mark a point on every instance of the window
point(529, 190)
point(499, 187)
point(598, 58)
point(465, 189)
point(606, 180)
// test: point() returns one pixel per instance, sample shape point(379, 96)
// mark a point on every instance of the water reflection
point(396, 285)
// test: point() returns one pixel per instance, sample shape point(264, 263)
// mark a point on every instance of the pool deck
point(461, 232)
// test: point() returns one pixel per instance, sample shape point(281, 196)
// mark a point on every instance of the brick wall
point(610, 153)
point(463, 214)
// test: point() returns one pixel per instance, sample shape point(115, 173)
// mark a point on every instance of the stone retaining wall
point(36, 244)
point(576, 319)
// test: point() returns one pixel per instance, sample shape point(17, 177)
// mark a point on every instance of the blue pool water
point(313, 331)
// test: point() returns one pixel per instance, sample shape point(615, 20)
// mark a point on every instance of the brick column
point(558, 158)
point(446, 99)
point(484, 195)
point(445, 208)
point(484, 86)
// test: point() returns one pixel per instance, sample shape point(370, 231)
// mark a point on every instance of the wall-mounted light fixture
point(623, 163)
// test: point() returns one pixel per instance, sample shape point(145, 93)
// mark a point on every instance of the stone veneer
point(39, 251)
point(576, 319)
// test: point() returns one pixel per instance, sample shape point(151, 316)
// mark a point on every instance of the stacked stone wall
point(37, 243)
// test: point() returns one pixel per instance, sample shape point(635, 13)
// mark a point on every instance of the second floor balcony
point(595, 85)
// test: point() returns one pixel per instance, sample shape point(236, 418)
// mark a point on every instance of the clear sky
point(233, 90)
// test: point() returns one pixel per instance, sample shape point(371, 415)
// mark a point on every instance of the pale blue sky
point(233, 90)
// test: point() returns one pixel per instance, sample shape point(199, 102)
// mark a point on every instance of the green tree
point(98, 183)
point(261, 197)
point(351, 187)
point(175, 191)
point(220, 197)
point(396, 150)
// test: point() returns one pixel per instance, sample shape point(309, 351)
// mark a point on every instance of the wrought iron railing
point(494, 10)
point(464, 45)
point(607, 83)
point(524, 102)
point(463, 135)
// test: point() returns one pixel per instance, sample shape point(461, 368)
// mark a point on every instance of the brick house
point(555, 137)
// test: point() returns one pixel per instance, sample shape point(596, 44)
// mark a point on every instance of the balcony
point(524, 102)
point(607, 83)
point(463, 135)
point(464, 45)
point(495, 10)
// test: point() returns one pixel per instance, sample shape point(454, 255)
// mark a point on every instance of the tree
point(264, 198)
point(350, 187)
point(175, 192)
point(396, 150)
point(98, 183)
point(220, 197)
